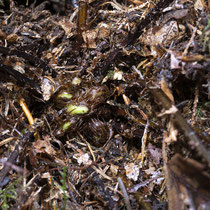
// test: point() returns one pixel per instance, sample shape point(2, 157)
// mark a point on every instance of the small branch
point(26, 111)
point(81, 23)
point(180, 121)
point(13, 156)
point(195, 104)
point(125, 194)
point(143, 142)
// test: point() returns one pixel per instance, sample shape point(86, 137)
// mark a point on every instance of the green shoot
point(63, 187)
point(8, 194)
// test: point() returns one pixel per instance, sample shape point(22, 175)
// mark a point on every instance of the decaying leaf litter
point(104, 104)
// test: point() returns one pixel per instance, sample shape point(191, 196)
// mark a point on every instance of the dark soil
point(104, 104)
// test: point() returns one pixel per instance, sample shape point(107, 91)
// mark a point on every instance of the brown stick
point(180, 121)
point(13, 156)
point(81, 22)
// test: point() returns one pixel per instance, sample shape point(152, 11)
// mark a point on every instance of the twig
point(136, 187)
point(26, 111)
point(180, 121)
point(7, 140)
point(195, 104)
point(9, 125)
point(143, 142)
point(28, 114)
point(125, 194)
point(81, 23)
point(190, 42)
point(88, 145)
point(13, 156)
point(99, 171)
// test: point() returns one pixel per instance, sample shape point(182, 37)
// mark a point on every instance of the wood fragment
point(180, 122)
point(26, 111)
point(81, 23)
point(13, 156)
point(7, 140)
point(195, 104)
point(143, 142)
point(187, 184)
point(125, 194)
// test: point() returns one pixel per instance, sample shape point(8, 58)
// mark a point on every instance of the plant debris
point(104, 104)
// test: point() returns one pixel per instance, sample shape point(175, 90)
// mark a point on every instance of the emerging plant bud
point(66, 126)
point(65, 95)
point(74, 110)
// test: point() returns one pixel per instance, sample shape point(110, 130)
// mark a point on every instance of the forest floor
point(104, 104)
